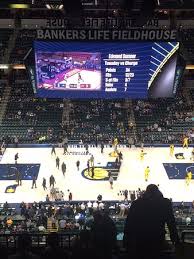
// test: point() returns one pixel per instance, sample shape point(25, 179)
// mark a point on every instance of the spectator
point(145, 224)
point(103, 235)
point(53, 250)
point(23, 251)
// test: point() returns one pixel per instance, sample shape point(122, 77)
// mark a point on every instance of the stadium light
point(189, 67)
point(19, 6)
point(4, 66)
point(19, 67)
point(54, 6)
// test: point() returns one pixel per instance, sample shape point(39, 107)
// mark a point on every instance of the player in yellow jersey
point(188, 177)
point(115, 143)
point(186, 142)
point(171, 150)
point(146, 173)
point(142, 155)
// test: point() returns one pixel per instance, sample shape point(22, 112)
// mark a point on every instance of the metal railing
point(38, 240)
point(187, 236)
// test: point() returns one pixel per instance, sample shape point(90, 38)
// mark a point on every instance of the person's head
point(24, 242)
point(53, 240)
point(97, 216)
point(152, 192)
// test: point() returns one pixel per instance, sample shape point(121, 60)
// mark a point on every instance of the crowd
point(164, 121)
point(143, 230)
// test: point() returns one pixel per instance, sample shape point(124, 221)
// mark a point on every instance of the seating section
point(2, 87)
point(23, 43)
point(71, 217)
point(163, 120)
point(4, 38)
point(98, 121)
point(28, 118)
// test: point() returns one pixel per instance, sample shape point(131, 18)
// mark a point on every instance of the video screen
point(103, 69)
point(69, 71)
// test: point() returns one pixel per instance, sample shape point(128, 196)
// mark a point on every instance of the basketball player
point(16, 158)
point(65, 78)
point(78, 164)
point(192, 155)
point(188, 177)
point(33, 182)
point(44, 184)
point(92, 172)
point(146, 173)
point(57, 162)
point(88, 165)
point(53, 150)
point(80, 78)
point(92, 161)
point(171, 150)
point(63, 168)
point(111, 180)
point(115, 144)
point(186, 142)
point(142, 155)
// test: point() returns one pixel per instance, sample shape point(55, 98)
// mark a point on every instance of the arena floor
point(131, 175)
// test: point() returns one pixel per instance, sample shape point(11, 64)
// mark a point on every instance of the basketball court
point(168, 172)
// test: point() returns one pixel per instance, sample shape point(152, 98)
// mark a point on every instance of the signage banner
point(100, 23)
point(106, 35)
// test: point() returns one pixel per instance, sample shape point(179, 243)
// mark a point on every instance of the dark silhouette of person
point(82, 247)
point(78, 164)
point(53, 250)
point(23, 248)
point(52, 181)
point(44, 184)
point(53, 150)
point(65, 149)
point(3, 252)
point(86, 148)
point(70, 196)
point(92, 175)
point(63, 168)
point(19, 178)
point(144, 232)
point(88, 165)
point(103, 235)
point(34, 181)
point(102, 148)
point(16, 158)
point(57, 162)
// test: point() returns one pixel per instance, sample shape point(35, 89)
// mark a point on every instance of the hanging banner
point(100, 23)
point(134, 34)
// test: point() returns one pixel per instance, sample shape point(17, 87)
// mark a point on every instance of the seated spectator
point(9, 222)
point(62, 224)
point(188, 220)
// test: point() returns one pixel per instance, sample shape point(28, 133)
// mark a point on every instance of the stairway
point(66, 112)
point(50, 227)
point(10, 46)
point(131, 117)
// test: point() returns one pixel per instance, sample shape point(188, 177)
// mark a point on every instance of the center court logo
point(102, 173)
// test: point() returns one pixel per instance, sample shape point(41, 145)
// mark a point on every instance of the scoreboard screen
point(74, 69)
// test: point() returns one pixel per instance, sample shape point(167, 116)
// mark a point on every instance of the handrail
point(184, 232)
point(10, 239)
